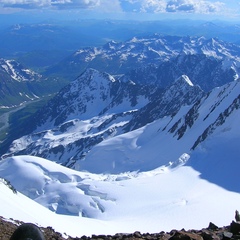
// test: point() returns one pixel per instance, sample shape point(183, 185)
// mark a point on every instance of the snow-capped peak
point(94, 74)
point(17, 71)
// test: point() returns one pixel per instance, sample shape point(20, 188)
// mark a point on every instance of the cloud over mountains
point(138, 6)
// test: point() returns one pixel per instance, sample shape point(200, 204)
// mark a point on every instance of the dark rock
point(235, 227)
point(84, 237)
point(118, 236)
point(212, 226)
point(137, 234)
point(237, 216)
point(27, 231)
point(209, 235)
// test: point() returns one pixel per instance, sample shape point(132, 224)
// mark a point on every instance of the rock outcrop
point(212, 232)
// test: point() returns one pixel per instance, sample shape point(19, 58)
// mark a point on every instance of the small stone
point(227, 235)
point(84, 237)
point(137, 234)
point(212, 226)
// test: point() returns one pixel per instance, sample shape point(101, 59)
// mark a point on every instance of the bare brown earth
point(212, 232)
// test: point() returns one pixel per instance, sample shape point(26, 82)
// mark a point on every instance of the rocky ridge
point(205, 71)
point(212, 232)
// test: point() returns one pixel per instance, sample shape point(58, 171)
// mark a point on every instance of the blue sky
point(224, 9)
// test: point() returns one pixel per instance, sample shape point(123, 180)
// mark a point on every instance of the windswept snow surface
point(162, 199)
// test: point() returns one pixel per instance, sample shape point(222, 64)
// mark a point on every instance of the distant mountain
point(19, 84)
point(207, 72)
point(122, 57)
point(17, 72)
point(40, 45)
point(36, 45)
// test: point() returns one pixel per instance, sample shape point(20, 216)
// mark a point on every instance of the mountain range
point(107, 119)
point(153, 139)
point(41, 43)
point(150, 60)
point(163, 52)
point(98, 107)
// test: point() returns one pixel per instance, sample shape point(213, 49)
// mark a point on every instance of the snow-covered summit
point(92, 94)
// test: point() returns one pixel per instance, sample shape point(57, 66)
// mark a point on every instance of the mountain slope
point(71, 123)
point(180, 93)
point(68, 127)
point(172, 137)
point(98, 135)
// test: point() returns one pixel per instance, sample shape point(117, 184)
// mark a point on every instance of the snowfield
point(82, 203)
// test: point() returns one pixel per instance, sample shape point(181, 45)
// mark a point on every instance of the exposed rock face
point(207, 72)
point(180, 93)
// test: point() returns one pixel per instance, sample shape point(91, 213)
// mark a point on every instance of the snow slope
point(165, 140)
point(152, 201)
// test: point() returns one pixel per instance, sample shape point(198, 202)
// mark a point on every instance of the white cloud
point(50, 3)
point(138, 6)
point(75, 3)
point(194, 6)
point(106, 6)
point(153, 6)
point(25, 3)
point(143, 5)
point(156, 6)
